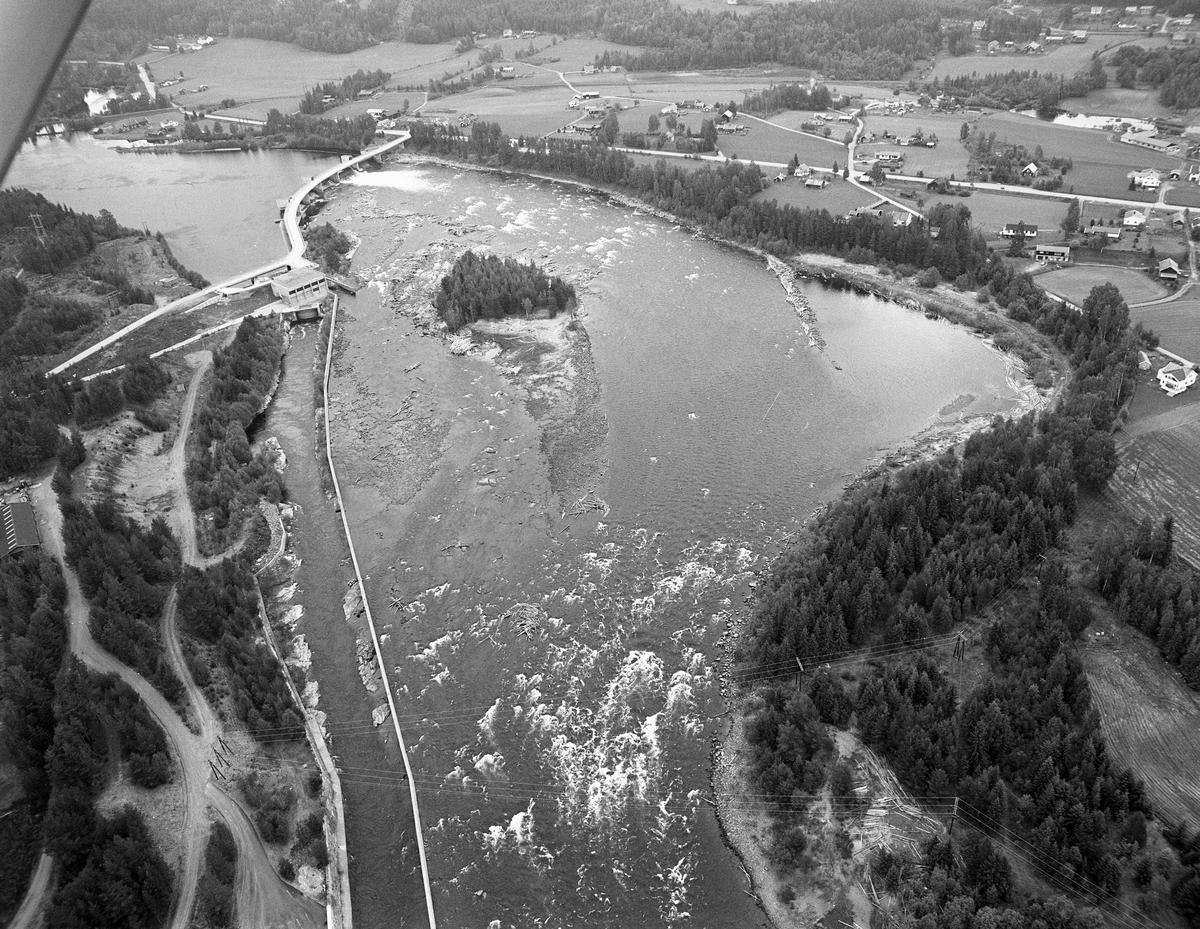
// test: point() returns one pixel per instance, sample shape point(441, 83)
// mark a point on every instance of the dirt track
point(29, 916)
point(263, 899)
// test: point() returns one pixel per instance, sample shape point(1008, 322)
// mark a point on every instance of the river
point(217, 210)
point(557, 662)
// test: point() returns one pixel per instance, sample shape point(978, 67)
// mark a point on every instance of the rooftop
point(19, 526)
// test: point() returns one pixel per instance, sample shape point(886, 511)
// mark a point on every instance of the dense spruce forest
point(1174, 71)
point(297, 130)
point(1153, 591)
point(219, 608)
point(1020, 90)
point(61, 725)
point(121, 29)
point(852, 39)
point(917, 554)
point(225, 478)
point(490, 287)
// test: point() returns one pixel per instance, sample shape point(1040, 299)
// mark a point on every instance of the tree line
point(1019, 90)
point(219, 607)
point(916, 554)
point(490, 287)
point(1152, 590)
point(855, 39)
point(297, 130)
point(122, 29)
point(722, 199)
point(794, 96)
point(313, 102)
point(225, 478)
point(1174, 71)
point(125, 572)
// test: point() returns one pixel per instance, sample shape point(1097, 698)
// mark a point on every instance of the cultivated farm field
point(1101, 165)
point(1158, 454)
point(768, 144)
point(1068, 60)
point(1176, 323)
point(991, 212)
point(1075, 283)
point(1184, 195)
point(1150, 718)
point(518, 108)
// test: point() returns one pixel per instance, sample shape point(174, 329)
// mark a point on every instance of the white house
point(1030, 170)
point(1175, 378)
point(1133, 219)
point(1148, 179)
point(1168, 270)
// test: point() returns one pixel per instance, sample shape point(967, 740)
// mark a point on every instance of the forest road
point(30, 914)
point(190, 751)
point(263, 898)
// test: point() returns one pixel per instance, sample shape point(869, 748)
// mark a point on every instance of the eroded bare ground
point(145, 471)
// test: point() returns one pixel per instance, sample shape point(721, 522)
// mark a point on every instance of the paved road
point(294, 257)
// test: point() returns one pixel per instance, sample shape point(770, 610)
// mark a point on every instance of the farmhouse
point(1168, 271)
point(1057, 253)
point(508, 73)
point(1012, 230)
point(889, 157)
point(1146, 180)
point(1079, 36)
point(1030, 170)
point(901, 218)
point(1133, 219)
point(801, 171)
point(1175, 378)
point(301, 290)
point(18, 527)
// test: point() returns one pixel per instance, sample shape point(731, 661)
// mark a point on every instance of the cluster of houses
point(184, 43)
point(1151, 179)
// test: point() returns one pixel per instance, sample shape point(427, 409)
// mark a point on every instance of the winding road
point(264, 901)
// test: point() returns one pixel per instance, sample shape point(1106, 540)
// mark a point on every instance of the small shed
point(18, 527)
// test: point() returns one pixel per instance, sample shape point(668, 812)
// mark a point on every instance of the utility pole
point(960, 646)
point(799, 675)
point(39, 229)
point(953, 818)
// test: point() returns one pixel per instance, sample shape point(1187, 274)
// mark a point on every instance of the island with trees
point(490, 287)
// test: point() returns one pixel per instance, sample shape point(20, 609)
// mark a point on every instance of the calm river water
point(562, 749)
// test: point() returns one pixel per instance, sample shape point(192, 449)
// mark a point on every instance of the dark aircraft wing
point(34, 35)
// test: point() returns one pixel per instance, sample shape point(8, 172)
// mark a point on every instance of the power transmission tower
point(39, 229)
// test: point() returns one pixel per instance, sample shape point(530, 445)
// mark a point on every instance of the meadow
point(251, 70)
point(1187, 195)
point(1177, 324)
point(1101, 165)
point(1075, 283)
point(991, 212)
point(838, 197)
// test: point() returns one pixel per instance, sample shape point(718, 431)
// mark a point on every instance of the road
point(263, 899)
point(29, 915)
point(294, 258)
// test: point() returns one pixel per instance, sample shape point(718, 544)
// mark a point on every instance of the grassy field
point(518, 108)
point(1076, 283)
point(1184, 195)
point(1101, 165)
point(838, 197)
point(1177, 324)
point(1120, 101)
point(1067, 60)
point(572, 54)
point(990, 212)
point(251, 69)
point(764, 143)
